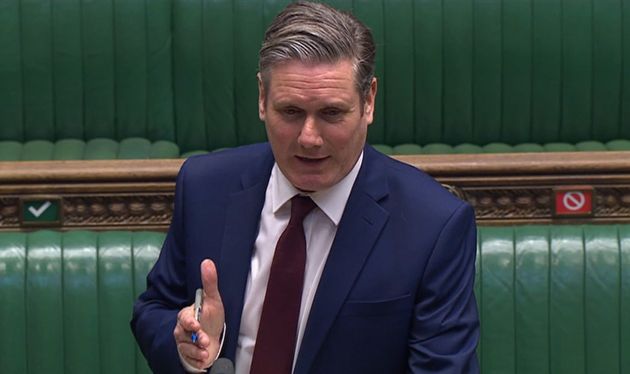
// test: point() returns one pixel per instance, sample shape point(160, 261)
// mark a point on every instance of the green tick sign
point(40, 211)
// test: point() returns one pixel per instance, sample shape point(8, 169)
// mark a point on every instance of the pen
point(198, 303)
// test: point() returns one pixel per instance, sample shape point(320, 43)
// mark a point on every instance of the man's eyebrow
point(330, 104)
point(343, 107)
point(337, 105)
point(284, 104)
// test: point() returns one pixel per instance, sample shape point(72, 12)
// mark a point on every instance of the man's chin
point(310, 185)
point(305, 191)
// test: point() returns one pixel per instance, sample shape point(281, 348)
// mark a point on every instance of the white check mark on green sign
point(39, 211)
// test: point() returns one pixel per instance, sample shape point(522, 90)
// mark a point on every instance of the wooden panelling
point(138, 194)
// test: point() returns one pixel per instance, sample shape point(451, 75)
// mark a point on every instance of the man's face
point(314, 121)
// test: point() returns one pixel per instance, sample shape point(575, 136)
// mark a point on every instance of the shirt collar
point(331, 201)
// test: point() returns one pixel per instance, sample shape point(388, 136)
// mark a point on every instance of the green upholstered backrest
point(552, 299)
point(86, 69)
point(95, 149)
point(66, 300)
point(442, 148)
point(141, 148)
point(451, 72)
point(458, 72)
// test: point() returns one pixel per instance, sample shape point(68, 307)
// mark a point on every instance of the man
point(386, 282)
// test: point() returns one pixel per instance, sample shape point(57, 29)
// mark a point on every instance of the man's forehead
point(311, 75)
point(321, 79)
point(312, 64)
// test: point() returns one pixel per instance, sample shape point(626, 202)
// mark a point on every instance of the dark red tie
point(277, 332)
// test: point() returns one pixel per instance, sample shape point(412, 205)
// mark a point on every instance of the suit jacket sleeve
point(155, 311)
point(445, 328)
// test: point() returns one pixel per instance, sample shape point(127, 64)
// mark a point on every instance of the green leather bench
point(67, 298)
point(141, 148)
point(552, 299)
point(459, 76)
point(95, 149)
point(468, 148)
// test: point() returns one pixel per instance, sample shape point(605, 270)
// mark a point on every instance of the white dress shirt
point(320, 227)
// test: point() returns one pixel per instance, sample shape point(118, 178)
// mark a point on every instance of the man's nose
point(310, 135)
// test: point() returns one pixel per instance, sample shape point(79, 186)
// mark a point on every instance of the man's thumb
point(209, 278)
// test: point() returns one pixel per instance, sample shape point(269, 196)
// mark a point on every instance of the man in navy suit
point(388, 277)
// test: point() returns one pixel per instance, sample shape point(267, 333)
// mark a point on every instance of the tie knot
point(301, 206)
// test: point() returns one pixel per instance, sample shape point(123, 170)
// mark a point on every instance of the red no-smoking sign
point(574, 201)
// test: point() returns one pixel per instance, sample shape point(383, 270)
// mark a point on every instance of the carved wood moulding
point(115, 210)
point(536, 205)
point(534, 188)
point(95, 211)
point(121, 194)
point(138, 194)
point(9, 212)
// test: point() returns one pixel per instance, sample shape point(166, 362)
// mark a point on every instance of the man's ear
point(261, 98)
point(370, 100)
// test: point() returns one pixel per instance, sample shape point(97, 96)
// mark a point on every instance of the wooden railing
point(503, 188)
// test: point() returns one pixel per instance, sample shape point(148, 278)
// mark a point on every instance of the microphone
point(222, 366)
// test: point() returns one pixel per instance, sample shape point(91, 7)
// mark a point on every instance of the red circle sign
point(574, 200)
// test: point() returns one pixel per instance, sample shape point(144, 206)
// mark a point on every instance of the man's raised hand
point(209, 327)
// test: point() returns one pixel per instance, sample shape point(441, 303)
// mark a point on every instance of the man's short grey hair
point(317, 33)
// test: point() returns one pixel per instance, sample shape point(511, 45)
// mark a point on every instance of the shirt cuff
point(191, 369)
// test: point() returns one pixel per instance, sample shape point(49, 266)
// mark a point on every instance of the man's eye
point(291, 111)
point(332, 112)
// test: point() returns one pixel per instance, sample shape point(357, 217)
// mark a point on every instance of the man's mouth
point(311, 160)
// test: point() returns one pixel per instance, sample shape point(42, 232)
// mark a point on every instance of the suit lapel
point(241, 228)
point(358, 230)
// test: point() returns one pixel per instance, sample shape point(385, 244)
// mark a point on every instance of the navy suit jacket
point(396, 293)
